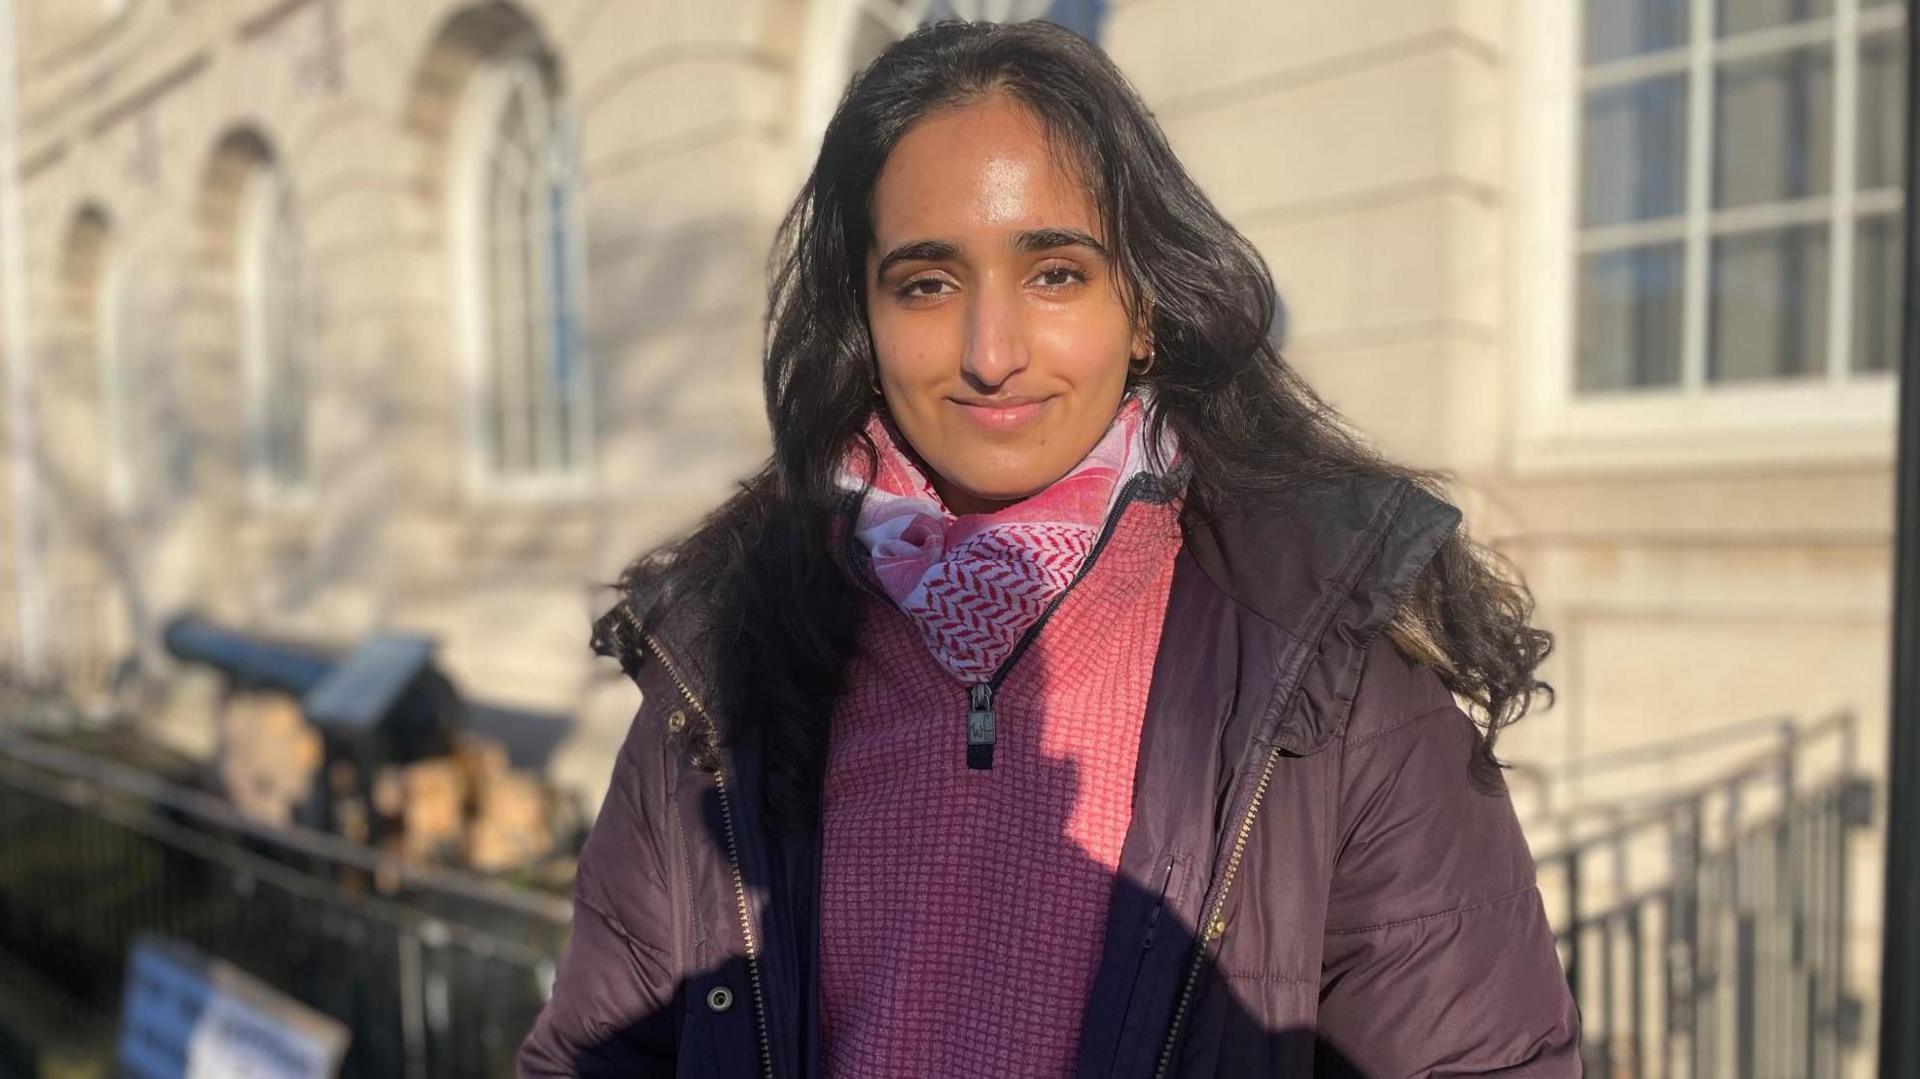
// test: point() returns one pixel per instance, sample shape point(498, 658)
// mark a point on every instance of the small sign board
point(185, 1016)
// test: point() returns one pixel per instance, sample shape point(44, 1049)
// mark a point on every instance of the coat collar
point(1336, 555)
point(1327, 564)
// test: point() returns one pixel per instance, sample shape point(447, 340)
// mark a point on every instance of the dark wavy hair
point(778, 610)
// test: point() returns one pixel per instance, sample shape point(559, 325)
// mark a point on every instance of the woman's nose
point(996, 347)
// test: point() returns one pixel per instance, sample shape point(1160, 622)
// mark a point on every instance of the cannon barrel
point(369, 742)
point(385, 699)
point(249, 661)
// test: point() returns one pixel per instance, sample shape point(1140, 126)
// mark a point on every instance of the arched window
point(521, 254)
point(274, 286)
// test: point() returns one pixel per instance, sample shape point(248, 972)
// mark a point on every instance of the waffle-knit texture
point(963, 911)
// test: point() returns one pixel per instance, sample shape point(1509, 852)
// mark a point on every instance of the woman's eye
point(1060, 276)
point(922, 286)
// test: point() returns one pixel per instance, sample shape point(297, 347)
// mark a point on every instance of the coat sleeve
point(1439, 960)
point(613, 1006)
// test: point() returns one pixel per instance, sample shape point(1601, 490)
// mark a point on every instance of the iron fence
point(1705, 930)
point(434, 973)
point(85, 644)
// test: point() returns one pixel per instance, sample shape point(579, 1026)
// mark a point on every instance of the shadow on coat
point(709, 1026)
point(651, 1047)
point(677, 1004)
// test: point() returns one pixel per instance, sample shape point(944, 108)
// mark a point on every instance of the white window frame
point(475, 128)
point(1840, 417)
point(267, 187)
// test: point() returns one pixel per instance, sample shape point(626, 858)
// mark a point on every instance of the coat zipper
point(733, 851)
point(980, 713)
point(1214, 926)
point(746, 929)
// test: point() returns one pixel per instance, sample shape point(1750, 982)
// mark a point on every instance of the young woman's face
point(997, 318)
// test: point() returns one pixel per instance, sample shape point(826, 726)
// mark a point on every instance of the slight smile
point(1001, 413)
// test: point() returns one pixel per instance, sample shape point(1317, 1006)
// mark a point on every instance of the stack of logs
point(469, 808)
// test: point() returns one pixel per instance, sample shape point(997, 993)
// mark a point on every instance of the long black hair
point(779, 611)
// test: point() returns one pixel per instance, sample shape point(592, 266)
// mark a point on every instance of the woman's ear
point(1140, 345)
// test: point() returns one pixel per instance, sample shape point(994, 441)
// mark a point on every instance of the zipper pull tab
point(980, 726)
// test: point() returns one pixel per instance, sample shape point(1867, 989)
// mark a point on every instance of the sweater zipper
point(733, 852)
point(980, 712)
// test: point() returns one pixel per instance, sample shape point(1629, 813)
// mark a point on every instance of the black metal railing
point(434, 973)
point(1704, 930)
point(1703, 926)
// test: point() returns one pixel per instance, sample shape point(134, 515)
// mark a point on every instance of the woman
point(1072, 693)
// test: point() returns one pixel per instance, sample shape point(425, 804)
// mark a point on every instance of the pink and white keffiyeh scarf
point(974, 584)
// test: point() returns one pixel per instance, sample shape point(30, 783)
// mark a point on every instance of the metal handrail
point(1794, 740)
point(437, 979)
point(1666, 749)
point(1658, 812)
point(217, 814)
point(200, 844)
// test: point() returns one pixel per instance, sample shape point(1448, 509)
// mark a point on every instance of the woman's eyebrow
point(1029, 241)
point(916, 251)
point(1036, 240)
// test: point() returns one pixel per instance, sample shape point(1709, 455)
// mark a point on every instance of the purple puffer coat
point(1311, 883)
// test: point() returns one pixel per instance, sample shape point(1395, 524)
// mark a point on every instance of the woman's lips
point(1006, 415)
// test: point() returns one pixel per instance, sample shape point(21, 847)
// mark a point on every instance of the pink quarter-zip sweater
point(963, 910)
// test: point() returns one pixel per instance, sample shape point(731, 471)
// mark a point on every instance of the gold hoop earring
point(1145, 366)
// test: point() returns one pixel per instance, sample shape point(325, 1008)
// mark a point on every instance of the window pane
point(1634, 157)
point(1080, 16)
point(564, 343)
point(1773, 128)
point(283, 313)
point(1877, 256)
point(1769, 298)
point(1617, 28)
point(528, 380)
point(1629, 319)
point(516, 284)
point(1883, 108)
point(505, 311)
point(1740, 16)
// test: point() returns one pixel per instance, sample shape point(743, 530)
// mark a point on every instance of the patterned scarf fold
point(974, 584)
